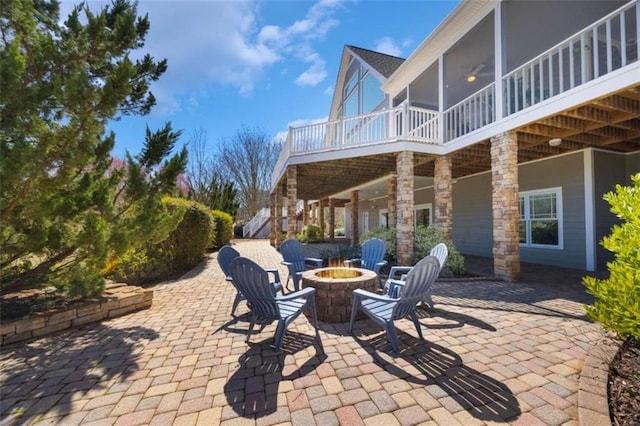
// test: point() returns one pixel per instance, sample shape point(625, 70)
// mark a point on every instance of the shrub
point(617, 299)
point(426, 238)
point(388, 235)
point(223, 228)
point(183, 249)
point(310, 234)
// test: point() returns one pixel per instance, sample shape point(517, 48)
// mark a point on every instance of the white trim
point(558, 192)
point(589, 211)
point(365, 222)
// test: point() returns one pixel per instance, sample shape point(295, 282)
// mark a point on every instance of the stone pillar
point(305, 213)
point(443, 188)
point(321, 217)
point(332, 220)
point(405, 226)
point(355, 232)
point(292, 199)
point(391, 201)
point(272, 220)
point(278, 225)
point(505, 204)
point(314, 213)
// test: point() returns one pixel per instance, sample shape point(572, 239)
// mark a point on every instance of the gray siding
point(633, 164)
point(472, 218)
point(609, 169)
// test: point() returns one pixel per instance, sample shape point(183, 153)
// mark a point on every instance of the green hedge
point(310, 234)
point(183, 249)
point(223, 229)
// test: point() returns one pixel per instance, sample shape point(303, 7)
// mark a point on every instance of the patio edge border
point(593, 400)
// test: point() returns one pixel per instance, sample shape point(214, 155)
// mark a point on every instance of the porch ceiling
point(611, 123)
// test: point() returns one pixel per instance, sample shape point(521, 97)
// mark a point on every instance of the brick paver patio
point(494, 353)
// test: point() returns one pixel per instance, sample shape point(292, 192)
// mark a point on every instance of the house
point(504, 128)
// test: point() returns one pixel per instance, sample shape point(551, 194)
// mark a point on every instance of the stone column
point(355, 232)
point(278, 226)
point(405, 226)
point(391, 201)
point(332, 220)
point(305, 213)
point(272, 220)
point(292, 199)
point(505, 204)
point(321, 217)
point(443, 188)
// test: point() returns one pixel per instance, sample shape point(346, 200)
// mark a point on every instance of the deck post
point(443, 188)
point(355, 237)
point(321, 217)
point(305, 212)
point(391, 201)
point(405, 232)
point(332, 220)
point(506, 206)
point(292, 198)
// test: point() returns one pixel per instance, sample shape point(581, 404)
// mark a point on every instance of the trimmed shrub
point(426, 238)
point(310, 234)
point(183, 249)
point(388, 235)
point(223, 229)
point(617, 299)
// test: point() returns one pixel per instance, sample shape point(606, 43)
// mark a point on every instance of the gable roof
point(381, 62)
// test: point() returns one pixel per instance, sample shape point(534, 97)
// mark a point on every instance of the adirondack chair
point(226, 254)
point(294, 259)
point(440, 251)
point(253, 282)
point(372, 256)
point(385, 309)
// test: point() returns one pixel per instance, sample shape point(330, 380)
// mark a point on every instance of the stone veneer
point(292, 200)
point(117, 300)
point(272, 220)
point(391, 201)
point(332, 220)
point(278, 227)
point(443, 189)
point(405, 214)
point(355, 231)
point(505, 205)
point(321, 217)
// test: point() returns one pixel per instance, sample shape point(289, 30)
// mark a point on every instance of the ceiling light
point(471, 78)
point(555, 142)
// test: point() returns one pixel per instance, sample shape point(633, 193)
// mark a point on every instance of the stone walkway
point(494, 353)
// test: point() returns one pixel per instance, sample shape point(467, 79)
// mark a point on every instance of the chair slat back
point(253, 282)
point(293, 251)
point(226, 254)
point(373, 251)
point(441, 252)
point(418, 282)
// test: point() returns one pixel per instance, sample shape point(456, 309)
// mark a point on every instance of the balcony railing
point(474, 112)
point(599, 49)
point(249, 230)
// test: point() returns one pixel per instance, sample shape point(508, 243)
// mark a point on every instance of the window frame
point(557, 191)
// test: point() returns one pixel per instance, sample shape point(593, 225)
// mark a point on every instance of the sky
point(265, 65)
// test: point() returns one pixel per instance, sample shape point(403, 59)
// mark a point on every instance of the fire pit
point(334, 290)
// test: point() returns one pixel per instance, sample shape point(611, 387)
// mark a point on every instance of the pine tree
point(64, 210)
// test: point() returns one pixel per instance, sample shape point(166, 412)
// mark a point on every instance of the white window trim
point(558, 192)
point(365, 221)
point(381, 214)
point(422, 207)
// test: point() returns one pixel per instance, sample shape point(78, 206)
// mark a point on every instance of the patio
point(493, 353)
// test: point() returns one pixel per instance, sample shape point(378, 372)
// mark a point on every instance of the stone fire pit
point(334, 290)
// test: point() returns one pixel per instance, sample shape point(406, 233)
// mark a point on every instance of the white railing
point(603, 47)
point(256, 222)
point(470, 114)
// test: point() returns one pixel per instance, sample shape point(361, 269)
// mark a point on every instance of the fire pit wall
point(334, 296)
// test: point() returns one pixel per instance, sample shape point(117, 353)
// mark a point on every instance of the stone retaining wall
point(118, 300)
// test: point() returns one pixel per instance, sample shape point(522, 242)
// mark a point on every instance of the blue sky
point(261, 64)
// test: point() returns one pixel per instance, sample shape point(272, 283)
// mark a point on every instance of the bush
point(617, 299)
point(310, 234)
point(426, 238)
point(388, 235)
point(183, 249)
point(223, 231)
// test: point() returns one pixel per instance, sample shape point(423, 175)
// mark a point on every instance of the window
point(384, 218)
point(541, 218)
point(422, 215)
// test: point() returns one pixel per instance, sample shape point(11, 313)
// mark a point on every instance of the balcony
point(593, 67)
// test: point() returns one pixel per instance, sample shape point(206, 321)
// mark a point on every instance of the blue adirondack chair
point(385, 309)
point(440, 251)
point(226, 254)
point(253, 282)
point(371, 257)
point(294, 259)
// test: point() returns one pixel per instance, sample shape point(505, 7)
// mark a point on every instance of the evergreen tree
point(63, 209)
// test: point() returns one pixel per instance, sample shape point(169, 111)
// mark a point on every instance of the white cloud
point(281, 136)
point(388, 46)
point(315, 74)
point(329, 90)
